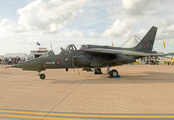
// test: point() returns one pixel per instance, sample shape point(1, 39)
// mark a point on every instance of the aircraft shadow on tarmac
point(147, 77)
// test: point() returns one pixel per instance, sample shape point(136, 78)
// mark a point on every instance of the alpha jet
point(91, 56)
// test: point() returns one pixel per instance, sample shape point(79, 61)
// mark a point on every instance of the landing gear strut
point(42, 76)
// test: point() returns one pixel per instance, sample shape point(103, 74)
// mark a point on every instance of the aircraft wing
point(121, 52)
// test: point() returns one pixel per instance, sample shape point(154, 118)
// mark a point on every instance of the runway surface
point(143, 91)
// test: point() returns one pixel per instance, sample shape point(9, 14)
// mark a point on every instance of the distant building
point(37, 53)
point(14, 55)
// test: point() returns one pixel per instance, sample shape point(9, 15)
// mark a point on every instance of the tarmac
point(142, 92)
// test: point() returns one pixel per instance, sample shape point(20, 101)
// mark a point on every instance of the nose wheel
point(42, 76)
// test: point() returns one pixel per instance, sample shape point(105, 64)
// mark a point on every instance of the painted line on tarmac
point(52, 116)
point(36, 117)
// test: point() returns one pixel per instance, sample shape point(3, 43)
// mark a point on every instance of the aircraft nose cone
point(20, 65)
point(28, 64)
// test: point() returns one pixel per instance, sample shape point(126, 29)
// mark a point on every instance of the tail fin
point(146, 44)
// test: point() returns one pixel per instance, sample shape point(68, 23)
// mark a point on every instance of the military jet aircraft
point(92, 56)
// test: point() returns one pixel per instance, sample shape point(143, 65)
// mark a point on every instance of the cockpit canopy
point(70, 48)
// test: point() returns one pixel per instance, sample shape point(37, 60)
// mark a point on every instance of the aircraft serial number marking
point(50, 63)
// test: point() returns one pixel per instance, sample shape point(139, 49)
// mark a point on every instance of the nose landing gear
point(42, 76)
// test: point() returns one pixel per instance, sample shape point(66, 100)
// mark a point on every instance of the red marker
point(58, 62)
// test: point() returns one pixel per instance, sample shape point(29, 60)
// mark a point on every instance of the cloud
point(141, 33)
point(10, 2)
point(141, 7)
point(49, 17)
point(170, 28)
point(6, 23)
point(166, 33)
point(119, 29)
point(74, 33)
point(6, 27)
point(92, 33)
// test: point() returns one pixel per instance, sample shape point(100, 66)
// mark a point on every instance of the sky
point(101, 22)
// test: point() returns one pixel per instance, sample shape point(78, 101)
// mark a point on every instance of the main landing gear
point(42, 76)
point(97, 71)
point(112, 73)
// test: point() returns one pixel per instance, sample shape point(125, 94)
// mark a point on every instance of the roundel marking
point(58, 62)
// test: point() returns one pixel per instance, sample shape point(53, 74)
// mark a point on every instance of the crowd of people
point(12, 60)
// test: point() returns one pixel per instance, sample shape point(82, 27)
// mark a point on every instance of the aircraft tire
point(114, 73)
point(97, 70)
point(42, 76)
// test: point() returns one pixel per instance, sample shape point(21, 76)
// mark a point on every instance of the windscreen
point(61, 50)
point(48, 54)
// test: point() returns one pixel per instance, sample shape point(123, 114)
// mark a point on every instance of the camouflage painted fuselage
point(92, 56)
